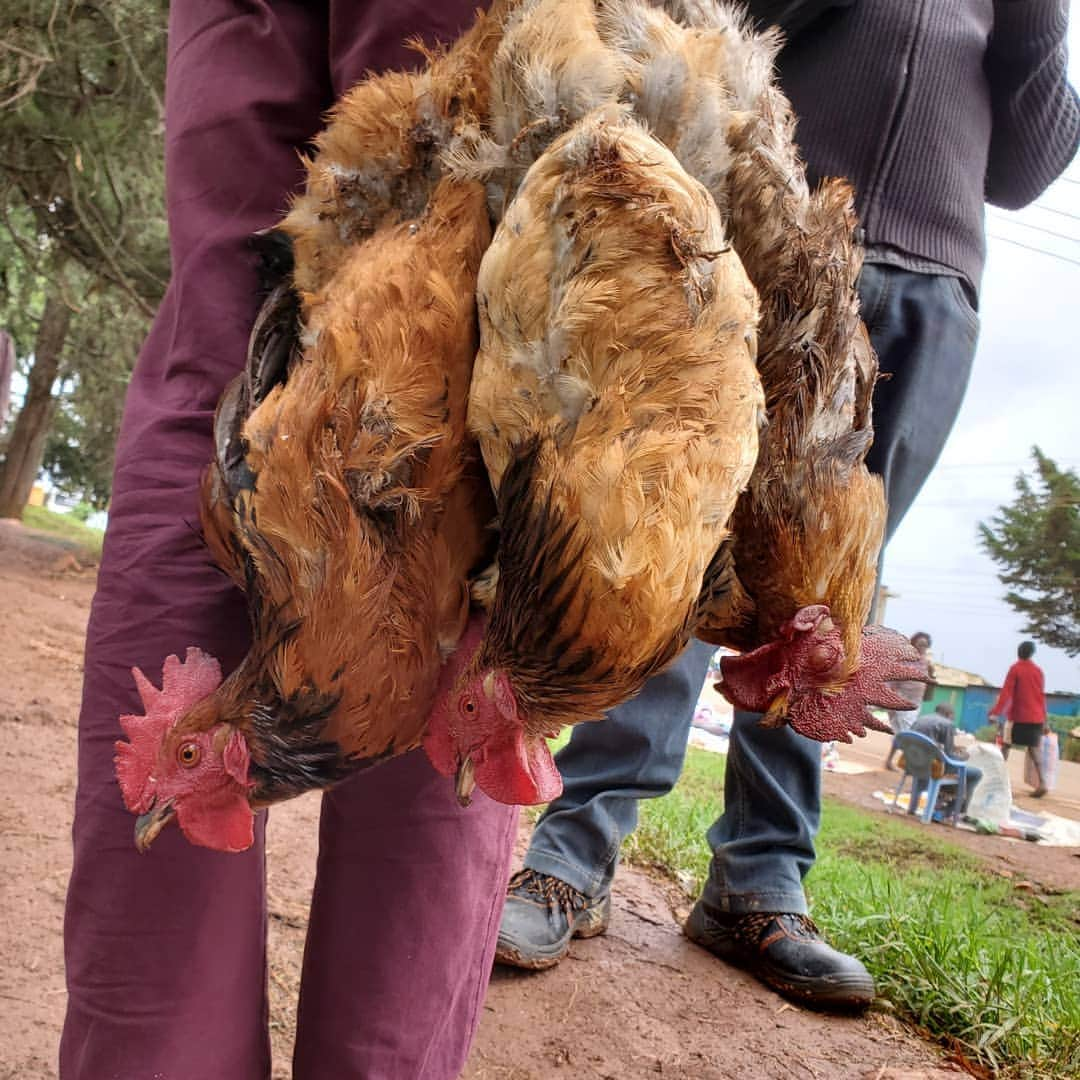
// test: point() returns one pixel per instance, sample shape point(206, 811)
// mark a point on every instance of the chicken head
point(476, 734)
point(169, 769)
point(797, 679)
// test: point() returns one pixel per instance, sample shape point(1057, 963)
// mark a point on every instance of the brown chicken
point(346, 497)
point(808, 529)
point(617, 407)
point(810, 526)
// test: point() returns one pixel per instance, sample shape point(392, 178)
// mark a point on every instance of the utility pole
point(883, 597)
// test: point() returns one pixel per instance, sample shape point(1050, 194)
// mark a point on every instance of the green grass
point(671, 831)
point(989, 970)
point(64, 526)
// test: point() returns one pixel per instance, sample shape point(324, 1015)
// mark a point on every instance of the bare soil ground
point(639, 1002)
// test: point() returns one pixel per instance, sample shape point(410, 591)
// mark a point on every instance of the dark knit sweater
point(929, 107)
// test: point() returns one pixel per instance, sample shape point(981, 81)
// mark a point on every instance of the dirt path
point(642, 1002)
point(639, 1002)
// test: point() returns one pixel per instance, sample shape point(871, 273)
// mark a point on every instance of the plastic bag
point(992, 798)
point(1048, 758)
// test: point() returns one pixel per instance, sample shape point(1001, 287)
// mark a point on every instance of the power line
point(943, 579)
point(1054, 210)
point(1002, 464)
point(1037, 228)
point(960, 577)
point(954, 610)
point(1038, 250)
point(926, 568)
point(967, 603)
point(922, 583)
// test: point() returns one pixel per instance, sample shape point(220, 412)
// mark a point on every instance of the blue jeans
point(924, 329)
point(764, 840)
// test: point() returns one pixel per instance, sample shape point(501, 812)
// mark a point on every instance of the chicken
point(351, 505)
point(382, 151)
point(811, 523)
point(808, 528)
point(617, 406)
point(346, 497)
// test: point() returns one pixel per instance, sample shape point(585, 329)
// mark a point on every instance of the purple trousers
point(166, 953)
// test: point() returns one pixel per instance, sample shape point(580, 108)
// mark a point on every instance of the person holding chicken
point(927, 109)
point(166, 952)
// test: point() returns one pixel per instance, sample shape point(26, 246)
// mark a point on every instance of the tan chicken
point(811, 524)
point(617, 407)
point(808, 529)
point(346, 497)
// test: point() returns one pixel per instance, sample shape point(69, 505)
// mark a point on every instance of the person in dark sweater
point(939, 726)
point(1023, 701)
point(928, 108)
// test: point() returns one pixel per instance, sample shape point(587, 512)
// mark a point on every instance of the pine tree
point(1036, 542)
point(83, 240)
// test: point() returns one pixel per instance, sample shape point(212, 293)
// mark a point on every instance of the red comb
point(183, 683)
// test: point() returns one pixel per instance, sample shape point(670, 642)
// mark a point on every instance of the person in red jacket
point(1023, 702)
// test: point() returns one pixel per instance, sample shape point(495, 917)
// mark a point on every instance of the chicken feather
point(346, 497)
point(617, 405)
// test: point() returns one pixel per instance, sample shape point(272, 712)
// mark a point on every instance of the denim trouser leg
point(636, 753)
point(763, 844)
point(924, 329)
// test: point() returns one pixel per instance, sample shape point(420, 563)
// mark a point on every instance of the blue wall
point(972, 703)
point(1063, 704)
point(977, 703)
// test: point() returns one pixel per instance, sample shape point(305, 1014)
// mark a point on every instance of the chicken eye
point(188, 755)
point(468, 705)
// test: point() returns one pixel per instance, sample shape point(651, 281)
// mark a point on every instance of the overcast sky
point(1025, 390)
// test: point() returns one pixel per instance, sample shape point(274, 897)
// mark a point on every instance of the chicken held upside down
point(617, 406)
point(807, 530)
point(350, 505)
point(810, 525)
point(346, 498)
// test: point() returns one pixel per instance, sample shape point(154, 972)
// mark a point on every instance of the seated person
point(939, 726)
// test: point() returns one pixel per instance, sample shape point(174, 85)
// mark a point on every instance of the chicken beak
point(148, 825)
point(466, 781)
point(776, 715)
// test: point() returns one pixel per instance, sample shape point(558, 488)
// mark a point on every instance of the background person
point(939, 726)
point(903, 719)
point(1023, 702)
